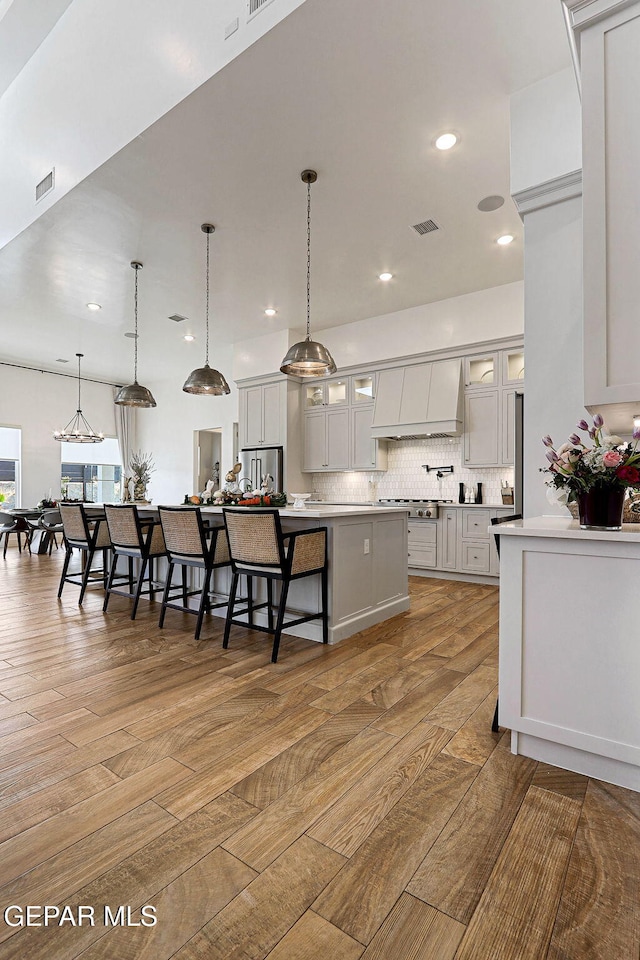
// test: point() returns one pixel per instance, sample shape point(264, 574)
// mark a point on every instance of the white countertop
point(566, 528)
point(383, 506)
point(319, 511)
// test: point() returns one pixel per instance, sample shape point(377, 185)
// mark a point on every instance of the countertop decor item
point(595, 477)
point(205, 381)
point(308, 358)
point(299, 500)
point(134, 395)
point(78, 429)
point(141, 466)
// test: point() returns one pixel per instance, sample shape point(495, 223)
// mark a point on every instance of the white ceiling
point(356, 90)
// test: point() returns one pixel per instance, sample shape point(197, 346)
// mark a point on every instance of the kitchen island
point(367, 569)
point(570, 646)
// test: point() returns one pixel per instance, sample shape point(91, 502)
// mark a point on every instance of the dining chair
point(495, 521)
point(9, 525)
point(51, 524)
point(89, 536)
point(191, 545)
point(258, 548)
point(135, 540)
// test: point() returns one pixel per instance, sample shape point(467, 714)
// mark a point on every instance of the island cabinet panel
point(389, 560)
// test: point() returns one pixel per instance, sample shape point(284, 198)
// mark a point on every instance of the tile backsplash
point(406, 477)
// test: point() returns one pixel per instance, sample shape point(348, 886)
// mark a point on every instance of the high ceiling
point(356, 90)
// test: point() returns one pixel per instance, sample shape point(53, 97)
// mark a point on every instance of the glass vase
point(601, 508)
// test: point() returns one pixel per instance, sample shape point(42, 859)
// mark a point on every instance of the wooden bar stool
point(191, 544)
point(88, 536)
point(135, 541)
point(258, 548)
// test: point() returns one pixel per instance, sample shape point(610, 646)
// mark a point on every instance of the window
point(95, 482)
point(9, 467)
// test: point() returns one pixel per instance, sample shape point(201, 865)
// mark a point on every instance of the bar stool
point(191, 544)
point(258, 548)
point(88, 536)
point(130, 539)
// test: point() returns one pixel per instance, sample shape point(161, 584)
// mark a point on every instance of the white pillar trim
point(545, 194)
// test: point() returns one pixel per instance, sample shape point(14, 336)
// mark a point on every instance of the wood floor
point(348, 802)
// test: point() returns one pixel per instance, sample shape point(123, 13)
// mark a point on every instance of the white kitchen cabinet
point(326, 440)
point(481, 371)
point(475, 524)
point(610, 72)
point(475, 557)
point(366, 453)
point(326, 393)
point(422, 543)
point(263, 414)
point(489, 426)
point(481, 425)
point(448, 546)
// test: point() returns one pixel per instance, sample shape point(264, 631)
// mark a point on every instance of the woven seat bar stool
point(134, 540)
point(191, 544)
point(258, 548)
point(88, 536)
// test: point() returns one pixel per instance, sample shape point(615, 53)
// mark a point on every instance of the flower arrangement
point(576, 468)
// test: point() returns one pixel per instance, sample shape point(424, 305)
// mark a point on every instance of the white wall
point(482, 315)
point(546, 135)
point(40, 403)
point(554, 399)
point(167, 431)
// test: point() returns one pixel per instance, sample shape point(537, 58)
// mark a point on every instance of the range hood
point(421, 400)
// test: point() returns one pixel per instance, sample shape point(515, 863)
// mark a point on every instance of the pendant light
point(78, 429)
point(134, 395)
point(204, 380)
point(308, 358)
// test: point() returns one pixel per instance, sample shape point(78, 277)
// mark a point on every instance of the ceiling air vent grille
point(46, 185)
point(255, 5)
point(427, 226)
point(177, 318)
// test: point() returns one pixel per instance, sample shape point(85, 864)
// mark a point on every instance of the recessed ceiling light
point(385, 276)
point(505, 239)
point(94, 306)
point(446, 140)
point(188, 337)
point(270, 312)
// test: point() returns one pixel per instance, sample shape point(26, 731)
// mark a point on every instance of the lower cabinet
point(422, 541)
point(460, 541)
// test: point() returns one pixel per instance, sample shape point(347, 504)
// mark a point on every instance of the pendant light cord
point(78, 356)
point(135, 339)
point(309, 260)
point(206, 314)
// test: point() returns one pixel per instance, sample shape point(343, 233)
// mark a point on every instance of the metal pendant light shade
point(204, 381)
point(78, 429)
point(135, 395)
point(308, 358)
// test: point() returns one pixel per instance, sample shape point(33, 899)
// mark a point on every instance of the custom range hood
point(420, 400)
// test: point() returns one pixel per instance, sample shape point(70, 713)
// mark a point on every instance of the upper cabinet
point(263, 415)
point(337, 426)
point(610, 72)
point(492, 381)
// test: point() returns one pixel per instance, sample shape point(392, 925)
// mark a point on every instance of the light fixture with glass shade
point(135, 395)
point(308, 358)
point(204, 380)
point(78, 429)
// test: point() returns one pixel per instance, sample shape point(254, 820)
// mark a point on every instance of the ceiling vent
point(177, 318)
point(61, 360)
point(427, 226)
point(254, 6)
point(46, 185)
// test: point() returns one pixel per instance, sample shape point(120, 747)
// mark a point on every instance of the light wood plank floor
point(348, 802)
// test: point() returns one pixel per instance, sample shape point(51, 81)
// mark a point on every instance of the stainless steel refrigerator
point(258, 463)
